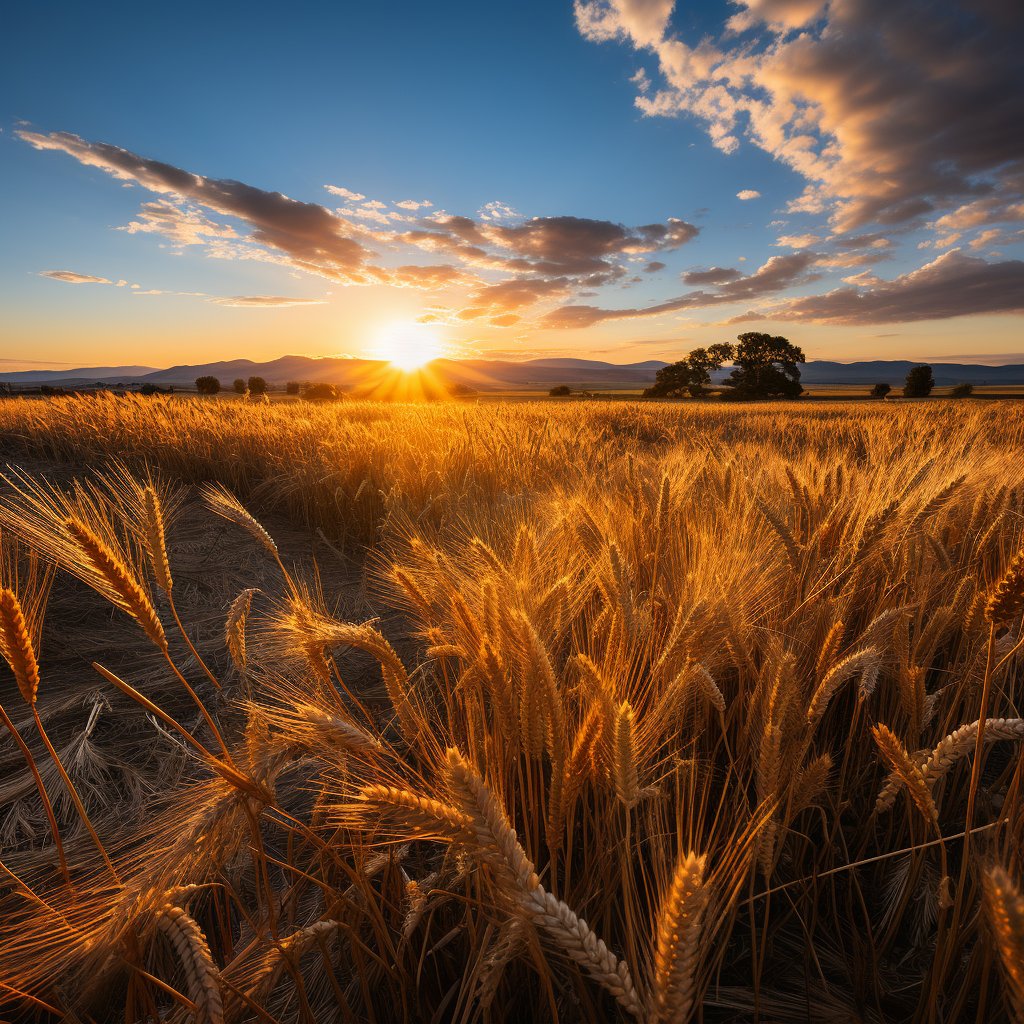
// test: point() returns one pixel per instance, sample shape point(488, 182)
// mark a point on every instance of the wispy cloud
point(263, 301)
point(73, 277)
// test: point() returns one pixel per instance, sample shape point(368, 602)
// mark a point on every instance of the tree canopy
point(691, 375)
point(766, 367)
point(919, 382)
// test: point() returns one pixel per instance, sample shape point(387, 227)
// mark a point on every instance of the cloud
point(654, 266)
point(183, 225)
point(798, 241)
point(775, 275)
point(540, 258)
point(263, 301)
point(308, 235)
point(413, 204)
point(345, 193)
point(498, 211)
point(952, 285)
point(72, 277)
point(748, 194)
point(713, 275)
point(889, 111)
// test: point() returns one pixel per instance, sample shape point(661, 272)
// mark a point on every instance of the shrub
point(207, 385)
point(292, 387)
point(962, 391)
point(151, 389)
point(321, 393)
point(880, 390)
point(561, 391)
point(239, 386)
point(257, 386)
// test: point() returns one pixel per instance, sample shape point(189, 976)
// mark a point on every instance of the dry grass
point(692, 711)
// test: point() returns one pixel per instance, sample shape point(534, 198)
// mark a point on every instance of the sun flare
point(407, 346)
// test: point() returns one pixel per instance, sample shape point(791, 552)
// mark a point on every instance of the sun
point(407, 346)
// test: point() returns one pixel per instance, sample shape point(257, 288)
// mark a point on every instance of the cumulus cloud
point(72, 277)
point(345, 193)
point(747, 194)
point(889, 111)
point(797, 241)
point(413, 204)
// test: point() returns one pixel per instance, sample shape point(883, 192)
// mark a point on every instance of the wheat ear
point(234, 626)
point(498, 844)
point(906, 771)
point(1004, 905)
point(16, 646)
point(121, 589)
point(155, 539)
point(627, 786)
point(1007, 600)
point(201, 975)
point(679, 931)
point(220, 500)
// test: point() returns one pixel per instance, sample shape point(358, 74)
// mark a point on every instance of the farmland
point(511, 710)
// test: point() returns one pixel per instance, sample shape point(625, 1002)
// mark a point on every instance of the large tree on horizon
point(766, 367)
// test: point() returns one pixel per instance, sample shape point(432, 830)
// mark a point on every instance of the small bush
point(239, 386)
point(880, 390)
point(321, 393)
point(962, 391)
point(562, 391)
point(292, 387)
point(257, 386)
point(207, 385)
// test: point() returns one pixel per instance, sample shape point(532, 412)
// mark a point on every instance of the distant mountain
point(492, 374)
point(88, 373)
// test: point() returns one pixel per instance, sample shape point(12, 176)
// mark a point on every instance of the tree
point(150, 389)
point(292, 387)
point(766, 367)
point(207, 385)
point(257, 386)
point(919, 382)
point(880, 390)
point(239, 386)
point(962, 391)
point(561, 391)
point(691, 375)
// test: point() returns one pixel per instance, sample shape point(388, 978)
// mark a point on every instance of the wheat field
point(580, 712)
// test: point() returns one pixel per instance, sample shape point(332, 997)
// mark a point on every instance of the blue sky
point(538, 108)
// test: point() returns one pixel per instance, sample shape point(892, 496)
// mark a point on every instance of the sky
point(611, 179)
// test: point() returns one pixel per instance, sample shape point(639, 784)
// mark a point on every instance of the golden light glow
point(407, 346)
